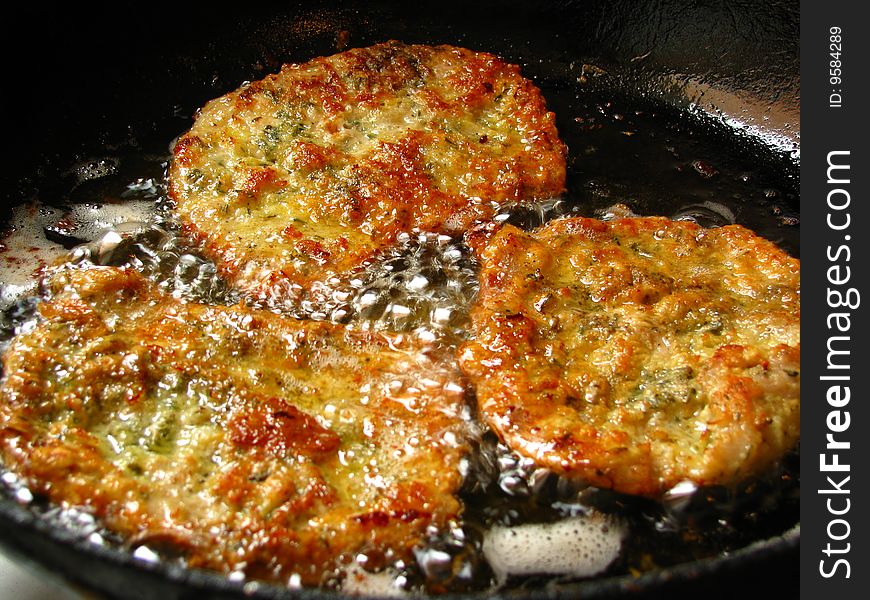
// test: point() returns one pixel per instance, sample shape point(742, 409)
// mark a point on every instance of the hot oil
point(626, 158)
point(659, 161)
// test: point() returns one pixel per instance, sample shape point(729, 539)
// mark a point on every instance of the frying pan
point(109, 79)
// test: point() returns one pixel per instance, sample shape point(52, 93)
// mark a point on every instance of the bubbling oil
point(113, 215)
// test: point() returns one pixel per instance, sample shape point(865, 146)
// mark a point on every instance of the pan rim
point(26, 523)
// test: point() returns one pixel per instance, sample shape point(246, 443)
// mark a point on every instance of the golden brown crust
point(638, 353)
point(242, 439)
point(309, 173)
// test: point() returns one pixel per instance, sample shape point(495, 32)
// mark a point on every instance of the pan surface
point(673, 108)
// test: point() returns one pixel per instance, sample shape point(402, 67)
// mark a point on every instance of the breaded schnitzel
point(237, 438)
point(638, 353)
point(307, 174)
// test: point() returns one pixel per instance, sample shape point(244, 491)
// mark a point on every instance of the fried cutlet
point(307, 174)
point(639, 353)
point(238, 439)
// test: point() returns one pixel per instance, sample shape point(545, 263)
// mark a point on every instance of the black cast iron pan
point(708, 93)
